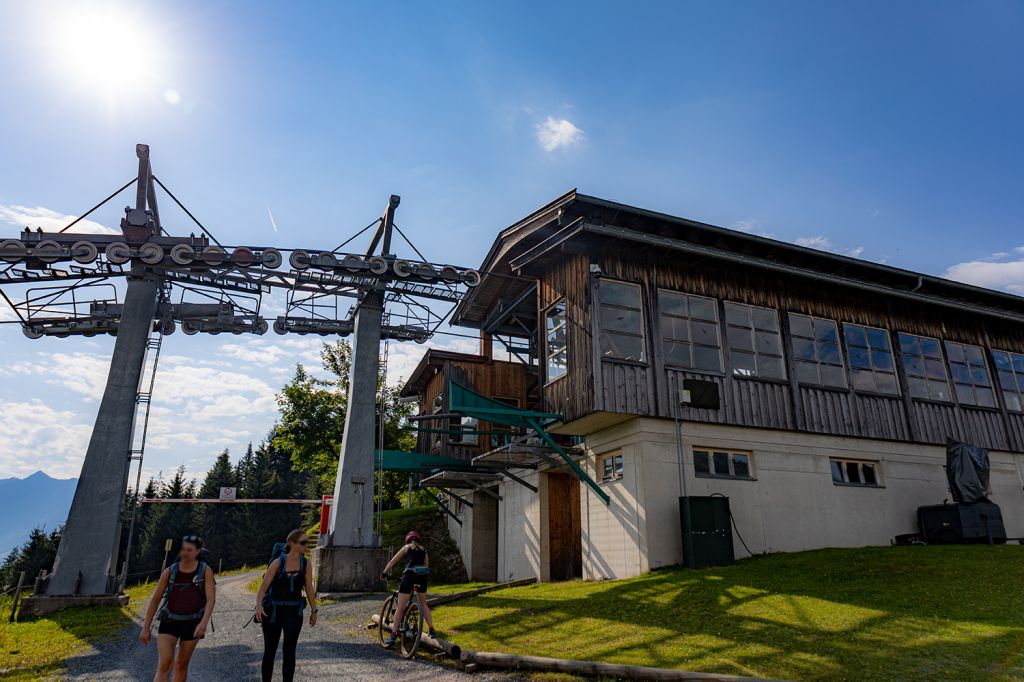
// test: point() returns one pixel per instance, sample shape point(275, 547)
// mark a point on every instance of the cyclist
point(417, 568)
point(188, 593)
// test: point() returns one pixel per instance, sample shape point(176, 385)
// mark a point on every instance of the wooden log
point(453, 650)
point(17, 597)
point(454, 596)
point(591, 668)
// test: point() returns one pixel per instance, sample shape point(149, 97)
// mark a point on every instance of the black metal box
point(707, 532)
point(961, 523)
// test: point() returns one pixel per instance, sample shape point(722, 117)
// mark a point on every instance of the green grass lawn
point(942, 613)
point(38, 648)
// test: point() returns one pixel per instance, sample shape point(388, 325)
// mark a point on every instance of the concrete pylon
point(89, 545)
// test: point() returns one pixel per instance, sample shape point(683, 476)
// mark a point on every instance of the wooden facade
point(571, 268)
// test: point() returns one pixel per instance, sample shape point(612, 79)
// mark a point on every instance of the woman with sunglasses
point(279, 604)
point(184, 597)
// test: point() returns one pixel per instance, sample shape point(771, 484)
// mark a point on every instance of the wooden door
point(565, 535)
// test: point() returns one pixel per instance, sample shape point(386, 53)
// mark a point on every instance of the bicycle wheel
point(387, 617)
point(412, 623)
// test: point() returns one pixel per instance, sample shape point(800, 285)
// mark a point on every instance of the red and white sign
point(228, 493)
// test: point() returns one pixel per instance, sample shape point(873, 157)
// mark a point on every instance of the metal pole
point(679, 451)
point(408, 499)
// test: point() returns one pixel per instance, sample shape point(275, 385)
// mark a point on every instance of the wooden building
point(840, 381)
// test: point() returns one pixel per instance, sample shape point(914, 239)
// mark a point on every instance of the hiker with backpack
point(183, 602)
point(417, 568)
point(279, 602)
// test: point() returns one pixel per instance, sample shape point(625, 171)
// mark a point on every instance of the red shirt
point(185, 597)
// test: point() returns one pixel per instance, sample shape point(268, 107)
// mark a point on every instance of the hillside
point(445, 561)
point(35, 500)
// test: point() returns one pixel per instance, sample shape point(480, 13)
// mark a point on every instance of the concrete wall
point(792, 505)
point(522, 546)
point(476, 537)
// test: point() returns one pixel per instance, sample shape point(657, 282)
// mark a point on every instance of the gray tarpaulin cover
point(967, 471)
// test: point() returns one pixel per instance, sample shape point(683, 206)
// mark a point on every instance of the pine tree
point(217, 523)
point(167, 521)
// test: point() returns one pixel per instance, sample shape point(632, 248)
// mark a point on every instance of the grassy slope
point(863, 614)
point(445, 561)
point(38, 648)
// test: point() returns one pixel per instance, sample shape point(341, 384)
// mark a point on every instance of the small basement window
point(610, 466)
point(854, 472)
point(722, 463)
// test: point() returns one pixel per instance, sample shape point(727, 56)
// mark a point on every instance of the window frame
point(752, 330)
point(1017, 376)
point(967, 364)
point(907, 376)
point(601, 331)
point(618, 473)
point(874, 371)
point(816, 362)
point(548, 380)
point(731, 453)
point(663, 339)
point(494, 429)
point(844, 462)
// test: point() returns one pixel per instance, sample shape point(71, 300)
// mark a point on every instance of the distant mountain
point(35, 500)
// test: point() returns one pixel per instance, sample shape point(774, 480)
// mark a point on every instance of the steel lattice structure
point(69, 284)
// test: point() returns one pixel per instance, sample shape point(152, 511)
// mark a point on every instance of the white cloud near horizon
point(48, 219)
point(554, 133)
point(995, 272)
point(823, 243)
point(38, 437)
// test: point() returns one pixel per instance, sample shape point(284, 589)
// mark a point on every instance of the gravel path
point(339, 647)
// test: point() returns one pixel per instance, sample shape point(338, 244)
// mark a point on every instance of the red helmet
point(412, 535)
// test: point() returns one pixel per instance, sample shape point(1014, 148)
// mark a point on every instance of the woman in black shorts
point(184, 597)
point(417, 568)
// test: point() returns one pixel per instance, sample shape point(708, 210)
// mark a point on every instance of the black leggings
point(291, 625)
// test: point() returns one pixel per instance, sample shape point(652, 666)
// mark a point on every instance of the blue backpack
point(198, 582)
point(270, 603)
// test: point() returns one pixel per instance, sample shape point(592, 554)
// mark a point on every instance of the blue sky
point(888, 131)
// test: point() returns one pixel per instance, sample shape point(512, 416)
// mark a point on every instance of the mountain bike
point(411, 627)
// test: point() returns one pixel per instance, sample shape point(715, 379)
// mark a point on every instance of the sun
point(105, 50)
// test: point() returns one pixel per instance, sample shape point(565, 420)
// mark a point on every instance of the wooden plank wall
point(650, 388)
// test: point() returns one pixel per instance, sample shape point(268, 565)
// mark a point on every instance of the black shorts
point(409, 579)
point(184, 630)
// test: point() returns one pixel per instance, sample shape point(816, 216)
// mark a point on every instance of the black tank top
point(288, 586)
point(416, 556)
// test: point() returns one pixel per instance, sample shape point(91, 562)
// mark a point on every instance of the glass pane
point(1001, 359)
point(979, 376)
point(863, 380)
point(887, 383)
point(556, 366)
point(618, 293)
point(869, 474)
point(803, 349)
point(913, 365)
point(910, 344)
point(918, 388)
point(770, 368)
point(677, 354)
point(700, 462)
point(1017, 360)
point(741, 339)
point(938, 390)
point(764, 319)
point(1006, 381)
point(737, 314)
point(828, 353)
point(672, 303)
point(607, 468)
point(960, 373)
point(1020, 382)
point(707, 359)
point(974, 355)
point(556, 339)
point(556, 316)
point(934, 369)
point(674, 328)
point(768, 342)
point(878, 339)
point(859, 358)
point(800, 325)
point(955, 352)
point(832, 376)
point(703, 308)
point(837, 471)
point(722, 463)
point(704, 332)
point(852, 472)
point(985, 397)
point(740, 466)
point(621, 320)
point(742, 364)
point(881, 359)
point(930, 348)
point(964, 395)
point(807, 372)
point(825, 330)
point(622, 347)
point(1012, 401)
point(617, 464)
point(855, 335)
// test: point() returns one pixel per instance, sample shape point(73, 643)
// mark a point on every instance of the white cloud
point(1005, 275)
point(49, 220)
point(823, 243)
point(36, 436)
point(553, 133)
point(752, 226)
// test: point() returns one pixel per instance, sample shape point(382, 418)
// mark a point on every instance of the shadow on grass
point(875, 613)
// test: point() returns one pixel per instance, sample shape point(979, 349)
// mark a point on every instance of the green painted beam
point(572, 464)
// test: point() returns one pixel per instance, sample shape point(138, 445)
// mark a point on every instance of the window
point(854, 472)
point(724, 463)
point(922, 363)
point(971, 379)
point(502, 434)
point(622, 321)
point(462, 430)
point(869, 351)
point(554, 335)
point(689, 331)
point(755, 345)
point(816, 351)
point(1010, 371)
point(610, 467)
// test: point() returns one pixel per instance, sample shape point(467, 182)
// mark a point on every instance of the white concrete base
point(349, 569)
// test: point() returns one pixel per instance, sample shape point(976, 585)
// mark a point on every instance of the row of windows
point(690, 335)
point(738, 464)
